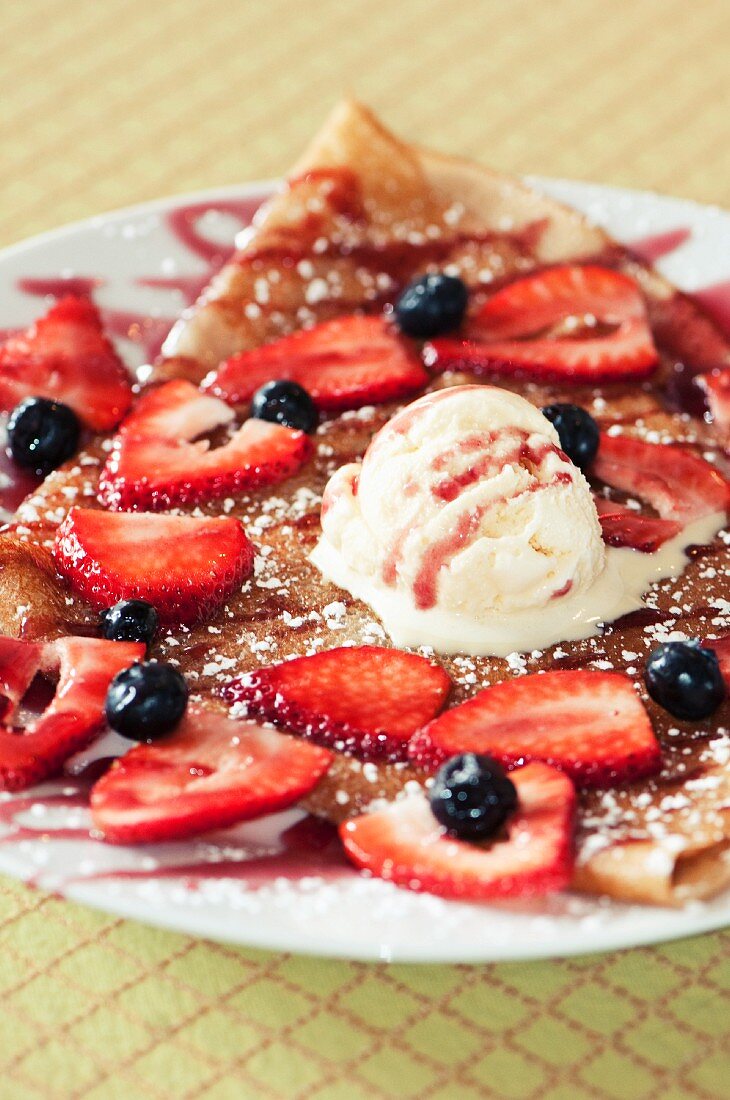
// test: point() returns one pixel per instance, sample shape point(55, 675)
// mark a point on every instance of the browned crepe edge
point(648, 871)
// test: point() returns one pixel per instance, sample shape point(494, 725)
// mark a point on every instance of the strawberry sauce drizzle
point(75, 799)
point(22, 832)
point(184, 221)
point(395, 555)
point(188, 286)
point(79, 285)
point(310, 848)
point(501, 448)
point(440, 553)
point(655, 247)
point(488, 464)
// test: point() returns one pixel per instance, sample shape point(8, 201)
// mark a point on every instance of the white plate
point(341, 914)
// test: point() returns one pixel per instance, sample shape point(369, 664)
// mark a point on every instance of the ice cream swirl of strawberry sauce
point(467, 529)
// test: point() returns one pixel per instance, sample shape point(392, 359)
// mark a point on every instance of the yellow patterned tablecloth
point(108, 103)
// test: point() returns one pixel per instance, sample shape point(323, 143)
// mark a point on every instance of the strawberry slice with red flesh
point(364, 700)
point(405, 844)
point(19, 663)
point(680, 485)
point(511, 333)
point(590, 724)
point(65, 356)
point(155, 464)
point(209, 774)
point(184, 566)
point(721, 648)
point(342, 364)
point(627, 353)
point(86, 667)
point(623, 527)
point(545, 298)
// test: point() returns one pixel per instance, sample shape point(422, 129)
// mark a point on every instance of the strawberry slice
point(405, 844)
point(680, 485)
point(364, 700)
point(66, 356)
point(627, 353)
point(591, 725)
point(210, 773)
point(528, 327)
point(342, 364)
point(622, 526)
point(545, 298)
point(721, 648)
point(86, 667)
point(635, 531)
point(186, 567)
point(716, 385)
point(154, 464)
point(19, 662)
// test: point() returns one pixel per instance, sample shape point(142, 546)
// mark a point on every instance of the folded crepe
point(361, 214)
point(358, 205)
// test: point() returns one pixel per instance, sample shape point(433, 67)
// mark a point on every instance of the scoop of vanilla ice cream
point(464, 503)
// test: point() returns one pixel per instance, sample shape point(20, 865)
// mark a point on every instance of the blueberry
point(129, 621)
point(146, 701)
point(431, 305)
point(42, 434)
point(285, 403)
point(472, 796)
point(579, 434)
point(685, 679)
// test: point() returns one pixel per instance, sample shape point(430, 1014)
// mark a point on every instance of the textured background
point(108, 103)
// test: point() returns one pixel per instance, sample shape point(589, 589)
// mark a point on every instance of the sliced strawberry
point(86, 667)
point(66, 356)
point(721, 648)
point(530, 305)
point(637, 532)
point(627, 353)
point(591, 725)
point(154, 464)
point(175, 410)
point(19, 662)
point(186, 567)
point(210, 773)
point(716, 385)
point(680, 485)
point(342, 364)
point(405, 844)
point(359, 699)
point(622, 526)
point(512, 331)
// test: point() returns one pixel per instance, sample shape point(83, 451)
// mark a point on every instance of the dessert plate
point(282, 882)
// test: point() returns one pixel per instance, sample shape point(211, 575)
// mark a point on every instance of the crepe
point(359, 186)
point(360, 215)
